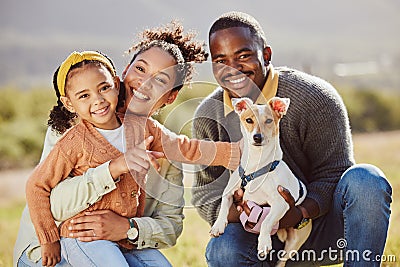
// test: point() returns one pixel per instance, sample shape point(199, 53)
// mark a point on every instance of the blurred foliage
point(23, 117)
point(372, 110)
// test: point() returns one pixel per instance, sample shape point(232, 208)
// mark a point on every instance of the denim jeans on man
point(354, 230)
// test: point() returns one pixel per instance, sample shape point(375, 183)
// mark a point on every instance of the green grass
point(9, 224)
point(381, 149)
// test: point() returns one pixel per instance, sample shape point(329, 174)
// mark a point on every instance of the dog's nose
point(258, 138)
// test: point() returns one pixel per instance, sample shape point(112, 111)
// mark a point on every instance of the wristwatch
point(304, 220)
point(132, 232)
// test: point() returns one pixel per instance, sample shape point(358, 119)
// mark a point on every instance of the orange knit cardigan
point(83, 147)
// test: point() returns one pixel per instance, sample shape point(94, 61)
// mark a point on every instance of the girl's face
point(92, 93)
point(149, 81)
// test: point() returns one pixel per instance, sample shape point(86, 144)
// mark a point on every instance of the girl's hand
point(51, 253)
point(136, 159)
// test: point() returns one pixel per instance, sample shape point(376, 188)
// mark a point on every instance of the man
point(348, 203)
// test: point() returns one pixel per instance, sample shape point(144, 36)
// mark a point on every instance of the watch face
point(132, 233)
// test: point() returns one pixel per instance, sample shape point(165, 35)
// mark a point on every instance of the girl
point(86, 84)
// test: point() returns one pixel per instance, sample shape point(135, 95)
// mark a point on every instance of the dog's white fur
point(264, 120)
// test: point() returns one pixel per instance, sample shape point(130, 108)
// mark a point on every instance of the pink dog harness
point(258, 214)
point(255, 217)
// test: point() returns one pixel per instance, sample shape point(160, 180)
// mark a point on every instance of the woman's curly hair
point(181, 46)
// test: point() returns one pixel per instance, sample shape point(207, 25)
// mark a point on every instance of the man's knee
point(233, 248)
point(220, 252)
point(365, 179)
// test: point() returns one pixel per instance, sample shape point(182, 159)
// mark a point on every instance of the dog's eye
point(268, 121)
point(248, 120)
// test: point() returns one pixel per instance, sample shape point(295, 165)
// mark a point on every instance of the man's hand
point(51, 253)
point(293, 215)
point(99, 224)
point(241, 205)
point(237, 206)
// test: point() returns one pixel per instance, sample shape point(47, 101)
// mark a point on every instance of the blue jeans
point(95, 253)
point(141, 258)
point(354, 230)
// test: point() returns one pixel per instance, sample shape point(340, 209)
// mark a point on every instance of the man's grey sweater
point(314, 135)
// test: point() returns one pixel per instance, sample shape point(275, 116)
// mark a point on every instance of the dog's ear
point(279, 105)
point(241, 104)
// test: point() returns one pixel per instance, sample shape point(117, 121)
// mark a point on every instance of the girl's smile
point(92, 93)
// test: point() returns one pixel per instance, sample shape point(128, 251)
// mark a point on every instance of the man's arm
point(210, 181)
point(326, 144)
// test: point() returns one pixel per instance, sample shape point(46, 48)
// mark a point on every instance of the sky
point(38, 35)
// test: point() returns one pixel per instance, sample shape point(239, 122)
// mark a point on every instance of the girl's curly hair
point(181, 46)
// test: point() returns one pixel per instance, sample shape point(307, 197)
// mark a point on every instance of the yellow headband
point(74, 58)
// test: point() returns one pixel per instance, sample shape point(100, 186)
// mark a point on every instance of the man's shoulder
point(299, 78)
point(211, 102)
point(307, 91)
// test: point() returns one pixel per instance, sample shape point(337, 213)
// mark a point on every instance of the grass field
point(381, 149)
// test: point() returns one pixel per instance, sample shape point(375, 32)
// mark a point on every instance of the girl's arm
point(162, 222)
point(193, 151)
point(46, 176)
point(75, 194)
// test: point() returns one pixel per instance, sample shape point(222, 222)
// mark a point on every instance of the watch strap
point(305, 218)
point(131, 223)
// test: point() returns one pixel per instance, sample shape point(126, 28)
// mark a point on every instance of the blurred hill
point(354, 43)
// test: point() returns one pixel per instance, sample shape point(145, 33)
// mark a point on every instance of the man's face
point(239, 61)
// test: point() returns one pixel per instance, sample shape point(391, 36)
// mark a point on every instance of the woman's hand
point(99, 224)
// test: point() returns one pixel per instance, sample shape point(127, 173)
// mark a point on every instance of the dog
point(260, 172)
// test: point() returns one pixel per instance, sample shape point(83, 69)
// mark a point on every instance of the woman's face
point(149, 80)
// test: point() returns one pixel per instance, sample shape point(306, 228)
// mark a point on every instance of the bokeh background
point(354, 45)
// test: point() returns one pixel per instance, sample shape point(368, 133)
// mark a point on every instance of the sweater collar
point(269, 90)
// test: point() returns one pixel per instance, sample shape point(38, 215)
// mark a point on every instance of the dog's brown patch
point(260, 119)
point(249, 119)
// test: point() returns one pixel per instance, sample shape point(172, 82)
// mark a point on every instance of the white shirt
point(116, 137)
